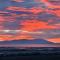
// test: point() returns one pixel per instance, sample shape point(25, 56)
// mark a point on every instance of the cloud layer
point(30, 19)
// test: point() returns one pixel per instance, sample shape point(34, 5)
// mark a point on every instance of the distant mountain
point(24, 41)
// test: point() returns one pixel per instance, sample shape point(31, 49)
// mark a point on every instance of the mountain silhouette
point(24, 41)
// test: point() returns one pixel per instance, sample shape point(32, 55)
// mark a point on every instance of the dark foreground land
point(34, 53)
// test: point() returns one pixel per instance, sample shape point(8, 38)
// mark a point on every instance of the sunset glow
point(30, 19)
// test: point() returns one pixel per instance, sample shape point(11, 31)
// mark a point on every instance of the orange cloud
point(2, 19)
point(44, 0)
point(24, 37)
point(13, 37)
point(32, 25)
point(34, 10)
point(5, 37)
point(56, 40)
point(15, 8)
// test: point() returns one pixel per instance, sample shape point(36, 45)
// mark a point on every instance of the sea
point(30, 45)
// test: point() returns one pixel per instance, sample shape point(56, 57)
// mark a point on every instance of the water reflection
point(30, 45)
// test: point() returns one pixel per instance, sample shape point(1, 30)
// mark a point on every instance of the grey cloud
point(11, 25)
point(47, 34)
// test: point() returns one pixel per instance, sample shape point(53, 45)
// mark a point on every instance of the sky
point(30, 19)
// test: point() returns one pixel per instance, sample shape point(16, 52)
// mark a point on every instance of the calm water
point(30, 45)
